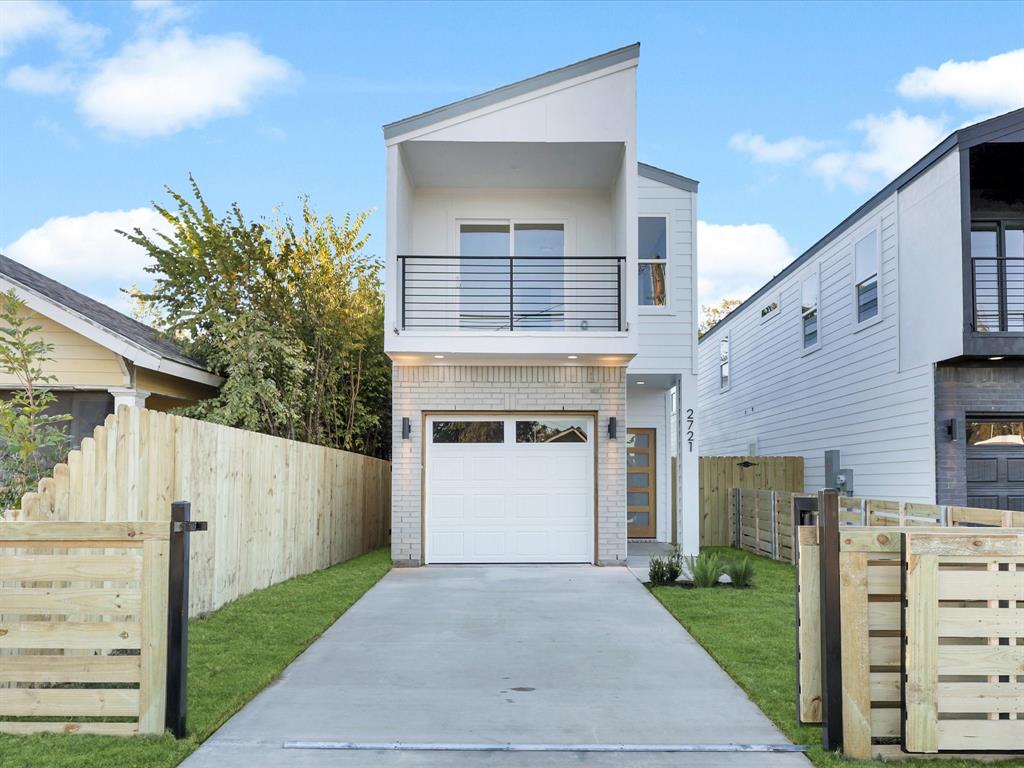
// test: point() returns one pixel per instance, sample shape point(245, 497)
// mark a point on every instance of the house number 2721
point(689, 428)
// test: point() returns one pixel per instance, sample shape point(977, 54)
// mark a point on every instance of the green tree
point(291, 313)
point(711, 314)
point(31, 440)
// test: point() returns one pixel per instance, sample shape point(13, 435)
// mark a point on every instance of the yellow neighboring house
point(102, 358)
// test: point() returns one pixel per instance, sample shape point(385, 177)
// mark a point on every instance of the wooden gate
point(83, 626)
point(720, 474)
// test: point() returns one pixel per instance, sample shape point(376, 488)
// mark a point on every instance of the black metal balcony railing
point(998, 294)
point(512, 293)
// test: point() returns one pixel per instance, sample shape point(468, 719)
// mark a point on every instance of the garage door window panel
point(468, 432)
point(551, 431)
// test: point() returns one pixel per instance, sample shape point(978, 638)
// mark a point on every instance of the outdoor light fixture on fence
point(613, 427)
point(406, 428)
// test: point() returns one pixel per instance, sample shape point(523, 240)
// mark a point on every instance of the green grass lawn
point(751, 634)
point(233, 654)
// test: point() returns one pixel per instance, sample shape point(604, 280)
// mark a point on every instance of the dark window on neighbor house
point(469, 432)
point(723, 363)
point(866, 269)
point(809, 292)
point(552, 431)
point(997, 236)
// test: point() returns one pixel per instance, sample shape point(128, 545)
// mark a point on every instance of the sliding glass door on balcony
point(997, 261)
point(511, 276)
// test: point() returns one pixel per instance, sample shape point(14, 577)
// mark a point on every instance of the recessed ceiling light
point(573, 357)
point(439, 357)
point(640, 382)
point(997, 357)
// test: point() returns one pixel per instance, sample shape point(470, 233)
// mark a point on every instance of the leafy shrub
point(705, 569)
point(740, 572)
point(665, 570)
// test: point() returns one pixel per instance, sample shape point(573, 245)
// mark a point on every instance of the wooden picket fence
point(104, 613)
point(720, 474)
point(909, 638)
point(763, 519)
point(276, 508)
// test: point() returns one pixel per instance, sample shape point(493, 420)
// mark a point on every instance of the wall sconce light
point(951, 430)
point(406, 428)
point(613, 427)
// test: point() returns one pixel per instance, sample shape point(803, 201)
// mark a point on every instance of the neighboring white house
point(897, 339)
point(540, 315)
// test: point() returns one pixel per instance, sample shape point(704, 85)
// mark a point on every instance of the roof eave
point(510, 91)
point(667, 177)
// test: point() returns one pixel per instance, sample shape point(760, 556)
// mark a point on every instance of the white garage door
point(510, 489)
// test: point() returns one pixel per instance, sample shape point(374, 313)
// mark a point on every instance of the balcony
point(998, 294)
point(561, 294)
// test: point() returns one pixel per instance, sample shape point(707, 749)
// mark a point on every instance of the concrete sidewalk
point(499, 654)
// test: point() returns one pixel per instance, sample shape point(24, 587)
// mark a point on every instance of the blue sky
point(790, 115)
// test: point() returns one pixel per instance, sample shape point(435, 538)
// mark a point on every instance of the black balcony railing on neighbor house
point(512, 293)
point(998, 294)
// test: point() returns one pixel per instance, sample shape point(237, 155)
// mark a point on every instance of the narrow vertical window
point(809, 290)
point(723, 363)
point(652, 252)
point(866, 268)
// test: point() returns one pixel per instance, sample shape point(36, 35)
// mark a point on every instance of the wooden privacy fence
point(104, 612)
point(898, 651)
point(762, 521)
point(720, 474)
point(276, 508)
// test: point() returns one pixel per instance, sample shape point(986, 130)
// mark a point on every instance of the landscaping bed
point(233, 655)
point(751, 634)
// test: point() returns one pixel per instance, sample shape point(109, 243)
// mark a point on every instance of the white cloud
point(158, 13)
point(891, 144)
point(44, 80)
point(785, 151)
point(158, 87)
point(86, 253)
point(737, 259)
point(23, 20)
point(996, 83)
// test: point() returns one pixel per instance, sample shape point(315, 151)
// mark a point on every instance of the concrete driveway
point(522, 655)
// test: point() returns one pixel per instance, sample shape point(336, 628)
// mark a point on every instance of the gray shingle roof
point(113, 321)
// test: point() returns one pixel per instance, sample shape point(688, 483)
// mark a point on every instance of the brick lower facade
point(974, 388)
point(454, 388)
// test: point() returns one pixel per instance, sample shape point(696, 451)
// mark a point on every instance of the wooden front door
point(640, 484)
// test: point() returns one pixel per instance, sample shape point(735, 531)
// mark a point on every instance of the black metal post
point(403, 291)
point(177, 616)
point(831, 621)
point(618, 293)
point(511, 294)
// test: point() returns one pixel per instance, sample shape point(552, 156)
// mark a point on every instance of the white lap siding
point(849, 395)
point(501, 388)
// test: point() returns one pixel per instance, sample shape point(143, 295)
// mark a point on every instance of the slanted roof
point(486, 99)
point(133, 332)
point(667, 177)
point(999, 127)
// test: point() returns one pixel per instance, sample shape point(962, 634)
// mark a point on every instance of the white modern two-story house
point(897, 339)
point(540, 316)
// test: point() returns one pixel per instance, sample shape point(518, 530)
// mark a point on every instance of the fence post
point(773, 503)
point(177, 616)
point(831, 621)
point(736, 517)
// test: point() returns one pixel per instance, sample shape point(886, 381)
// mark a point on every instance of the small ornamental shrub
point(740, 572)
point(705, 569)
point(658, 571)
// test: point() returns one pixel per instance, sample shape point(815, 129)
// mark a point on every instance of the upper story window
point(723, 363)
point(810, 290)
point(652, 252)
point(997, 261)
point(866, 268)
